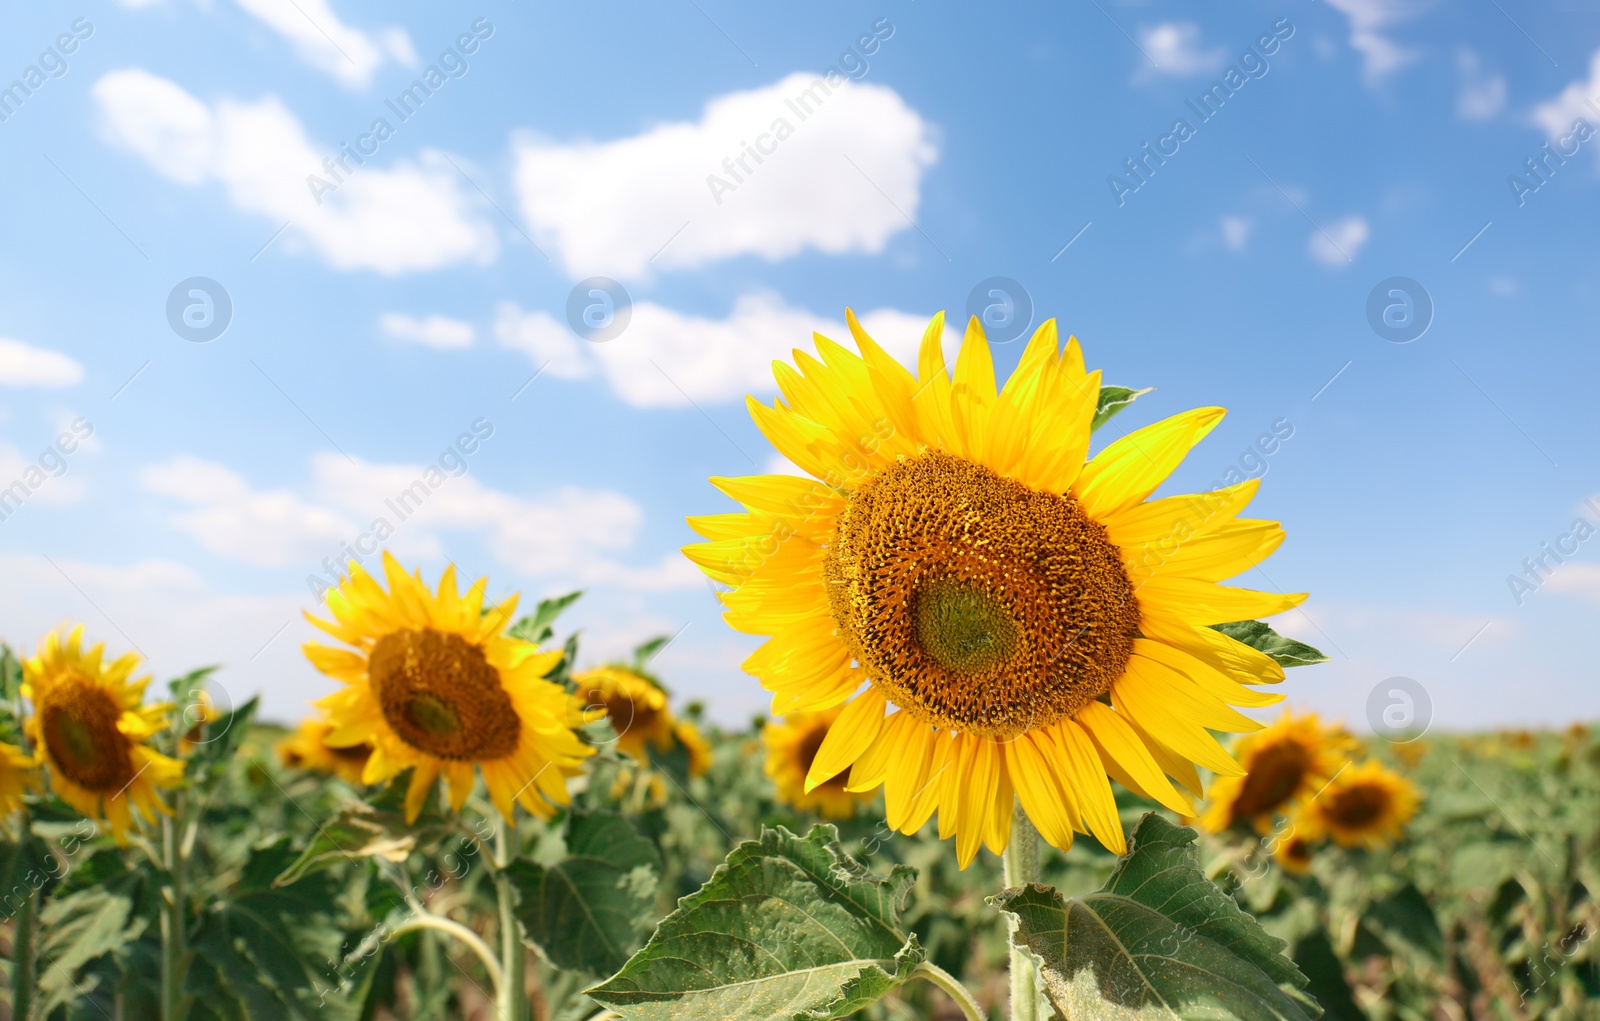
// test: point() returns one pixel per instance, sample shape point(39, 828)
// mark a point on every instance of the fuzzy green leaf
point(536, 626)
point(1260, 636)
point(787, 927)
point(589, 911)
point(1158, 941)
point(1112, 400)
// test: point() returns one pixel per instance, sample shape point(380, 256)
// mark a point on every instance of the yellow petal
point(1121, 751)
point(1131, 468)
point(849, 736)
point(1081, 767)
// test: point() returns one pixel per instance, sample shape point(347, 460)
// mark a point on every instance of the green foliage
point(787, 927)
point(1112, 400)
point(1160, 939)
point(592, 908)
point(538, 626)
point(1260, 636)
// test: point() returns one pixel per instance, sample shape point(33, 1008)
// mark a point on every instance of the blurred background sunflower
point(1364, 806)
point(433, 685)
point(792, 745)
point(307, 747)
point(90, 730)
point(1284, 764)
point(1030, 624)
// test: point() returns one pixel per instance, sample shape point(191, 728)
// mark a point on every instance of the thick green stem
point(1022, 867)
point(24, 975)
point(953, 988)
point(513, 995)
point(174, 914)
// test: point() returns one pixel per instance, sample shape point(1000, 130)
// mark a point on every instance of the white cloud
point(25, 365)
point(433, 331)
point(1577, 579)
point(1175, 48)
point(667, 358)
point(647, 202)
point(1236, 232)
point(167, 612)
point(1578, 101)
point(328, 44)
point(547, 343)
point(56, 489)
point(1369, 19)
point(1482, 94)
point(266, 528)
point(1339, 243)
point(570, 532)
point(409, 218)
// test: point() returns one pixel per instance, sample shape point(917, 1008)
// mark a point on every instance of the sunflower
point(791, 749)
point(89, 728)
point(1366, 806)
point(1293, 853)
point(434, 686)
point(18, 776)
point(1035, 623)
point(699, 751)
point(1285, 763)
point(307, 748)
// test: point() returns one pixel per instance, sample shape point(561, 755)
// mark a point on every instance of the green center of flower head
point(433, 715)
point(963, 627)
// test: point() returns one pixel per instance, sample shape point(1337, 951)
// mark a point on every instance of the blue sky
point(1364, 140)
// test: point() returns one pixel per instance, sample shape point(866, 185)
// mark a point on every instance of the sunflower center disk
point(441, 696)
point(79, 724)
point(1275, 776)
point(976, 603)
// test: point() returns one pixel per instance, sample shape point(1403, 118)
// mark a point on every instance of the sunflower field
point(1005, 773)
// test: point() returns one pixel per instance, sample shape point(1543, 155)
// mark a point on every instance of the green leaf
point(78, 929)
point(219, 739)
point(590, 910)
point(362, 830)
point(785, 928)
point(536, 626)
point(1158, 941)
point(1260, 636)
point(1112, 400)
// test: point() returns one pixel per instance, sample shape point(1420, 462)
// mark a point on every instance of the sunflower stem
point(425, 919)
point(174, 915)
point(1021, 864)
point(24, 973)
point(970, 1008)
point(513, 959)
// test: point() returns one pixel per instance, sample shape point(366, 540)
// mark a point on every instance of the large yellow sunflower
point(1033, 621)
point(90, 728)
point(308, 748)
point(1284, 764)
point(1365, 806)
point(434, 686)
point(792, 746)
